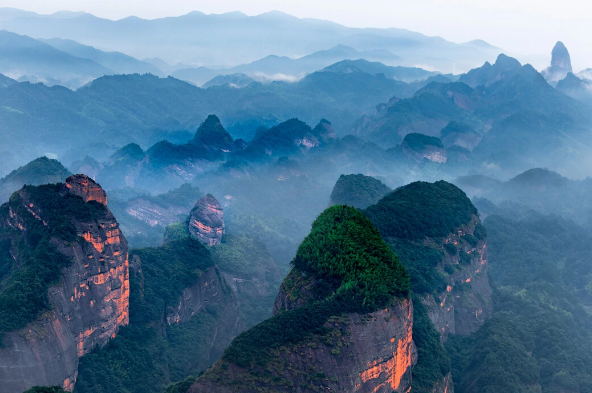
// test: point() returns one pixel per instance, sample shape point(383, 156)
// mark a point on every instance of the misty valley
point(223, 203)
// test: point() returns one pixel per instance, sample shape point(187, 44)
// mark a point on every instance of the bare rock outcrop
point(560, 64)
point(88, 304)
point(206, 221)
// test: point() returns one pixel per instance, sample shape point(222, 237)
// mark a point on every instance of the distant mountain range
point(230, 39)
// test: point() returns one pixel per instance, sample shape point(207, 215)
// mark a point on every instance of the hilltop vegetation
point(357, 271)
point(358, 191)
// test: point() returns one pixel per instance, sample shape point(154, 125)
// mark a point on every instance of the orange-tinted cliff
point(88, 304)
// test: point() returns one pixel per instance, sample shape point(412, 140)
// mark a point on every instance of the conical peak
point(560, 57)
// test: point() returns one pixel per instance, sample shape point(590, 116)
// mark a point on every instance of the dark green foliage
point(433, 362)
point(345, 249)
point(345, 252)
point(23, 293)
point(358, 191)
point(182, 386)
point(420, 261)
point(421, 210)
point(539, 337)
point(418, 142)
point(149, 354)
point(166, 270)
point(451, 248)
point(494, 359)
point(247, 258)
point(45, 389)
point(175, 231)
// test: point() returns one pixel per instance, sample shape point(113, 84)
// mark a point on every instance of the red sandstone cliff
point(89, 303)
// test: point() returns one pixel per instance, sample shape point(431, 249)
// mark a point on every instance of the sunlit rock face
point(89, 303)
point(560, 64)
point(206, 221)
point(86, 188)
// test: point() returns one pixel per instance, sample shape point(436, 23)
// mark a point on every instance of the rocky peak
point(332, 329)
point(212, 134)
point(87, 296)
point(560, 57)
point(206, 221)
point(86, 188)
point(560, 64)
point(324, 130)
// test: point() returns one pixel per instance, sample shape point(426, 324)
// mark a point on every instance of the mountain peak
point(212, 134)
point(560, 57)
point(560, 64)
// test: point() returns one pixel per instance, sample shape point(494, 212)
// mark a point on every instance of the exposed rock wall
point(206, 222)
point(371, 353)
point(466, 303)
point(90, 302)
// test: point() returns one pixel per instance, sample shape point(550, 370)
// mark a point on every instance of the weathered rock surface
point(374, 353)
point(86, 188)
point(90, 302)
point(206, 222)
point(466, 303)
point(153, 214)
point(560, 64)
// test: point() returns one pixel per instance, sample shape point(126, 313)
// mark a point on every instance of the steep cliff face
point(183, 315)
point(329, 332)
point(465, 304)
point(206, 222)
point(90, 299)
point(435, 230)
point(560, 64)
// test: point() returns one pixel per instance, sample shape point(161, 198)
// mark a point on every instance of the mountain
point(580, 89)
point(25, 58)
point(118, 63)
point(404, 74)
point(65, 282)
point(542, 190)
point(436, 232)
point(237, 80)
point(6, 81)
point(538, 288)
point(560, 64)
point(40, 171)
point(358, 191)
point(151, 109)
point(274, 67)
point(248, 38)
point(500, 103)
point(318, 314)
point(420, 147)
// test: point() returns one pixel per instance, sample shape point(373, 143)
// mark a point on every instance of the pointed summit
point(213, 136)
point(560, 64)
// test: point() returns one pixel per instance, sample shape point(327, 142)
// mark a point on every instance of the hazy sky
point(519, 26)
